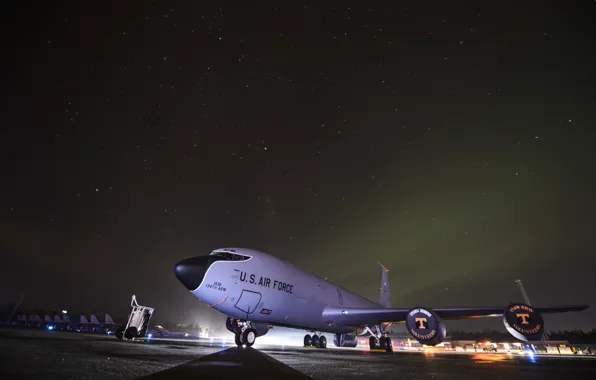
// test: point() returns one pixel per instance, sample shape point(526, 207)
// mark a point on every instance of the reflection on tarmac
point(58, 355)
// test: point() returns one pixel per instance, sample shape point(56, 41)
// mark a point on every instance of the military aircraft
point(257, 291)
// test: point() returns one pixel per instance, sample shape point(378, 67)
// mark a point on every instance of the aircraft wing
point(364, 316)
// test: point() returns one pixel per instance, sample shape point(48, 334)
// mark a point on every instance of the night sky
point(452, 142)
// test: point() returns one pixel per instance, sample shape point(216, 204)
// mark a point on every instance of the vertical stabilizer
point(93, 320)
point(109, 320)
point(385, 298)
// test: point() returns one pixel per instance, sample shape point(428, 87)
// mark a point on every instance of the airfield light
point(150, 336)
point(64, 311)
point(531, 356)
point(50, 327)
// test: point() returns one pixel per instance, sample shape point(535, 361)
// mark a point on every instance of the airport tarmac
point(52, 355)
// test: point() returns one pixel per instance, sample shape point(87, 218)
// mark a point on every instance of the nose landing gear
point(244, 334)
point(248, 337)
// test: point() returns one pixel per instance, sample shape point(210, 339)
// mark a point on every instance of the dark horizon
point(454, 143)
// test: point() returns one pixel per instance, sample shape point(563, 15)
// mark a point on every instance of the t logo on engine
point(524, 318)
point(421, 323)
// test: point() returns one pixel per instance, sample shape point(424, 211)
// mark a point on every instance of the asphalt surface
point(52, 355)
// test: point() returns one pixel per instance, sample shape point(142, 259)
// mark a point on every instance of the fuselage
point(252, 285)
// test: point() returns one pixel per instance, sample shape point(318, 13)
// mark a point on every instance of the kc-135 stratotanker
point(257, 291)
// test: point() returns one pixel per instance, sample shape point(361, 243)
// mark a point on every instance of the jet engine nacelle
point(345, 340)
point(425, 326)
point(523, 322)
point(233, 325)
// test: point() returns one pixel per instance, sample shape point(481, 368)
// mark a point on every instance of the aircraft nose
point(190, 272)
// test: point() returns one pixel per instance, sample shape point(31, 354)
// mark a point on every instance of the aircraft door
point(248, 301)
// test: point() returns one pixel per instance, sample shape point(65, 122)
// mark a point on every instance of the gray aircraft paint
point(227, 288)
point(265, 289)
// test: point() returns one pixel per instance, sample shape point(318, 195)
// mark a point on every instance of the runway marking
point(234, 362)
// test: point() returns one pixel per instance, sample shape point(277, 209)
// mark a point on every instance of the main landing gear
point(379, 340)
point(245, 335)
point(382, 343)
point(315, 341)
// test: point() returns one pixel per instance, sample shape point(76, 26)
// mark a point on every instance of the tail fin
point(109, 320)
point(385, 298)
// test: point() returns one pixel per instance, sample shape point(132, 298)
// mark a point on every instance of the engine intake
point(425, 326)
point(523, 322)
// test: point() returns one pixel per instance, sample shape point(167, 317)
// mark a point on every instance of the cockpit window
point(229, 256)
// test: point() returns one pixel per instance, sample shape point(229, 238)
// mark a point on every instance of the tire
point(238, 339)
point(322, 342)
point(307, 340)
point(383, 343)
point(388, 345)
point(131, 333)
point(315, 341)
point(120, 332)
point(249, 337)
point(372, 343)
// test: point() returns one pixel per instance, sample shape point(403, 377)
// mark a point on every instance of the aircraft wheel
point(315, 341)
point(238, 339)
point(322, 342)
point(372, 343)
point(307, 340)
point(383, 343)
point(131, 332)
point(249, 336)
point(120, 332)
point(388, 345)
